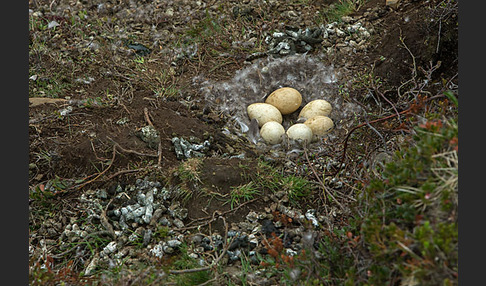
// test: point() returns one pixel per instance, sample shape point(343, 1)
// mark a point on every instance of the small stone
point(146, 237)
point(193, 255)
point(290, 252)
point(252, 216)
point(156, 216)
point(365, 34)
point(169, 12)
point(102, 194)
point(280, 194)
point(196, 239)
point(157, 251)
point(75, 228)
point(92, 265)
point(83, 233)
point(178, 223)
point(133, 237)
point(165, 222)
point(110, 248)
point(139, 211)
point(149, 135)
point(291, 14)
point(174, 243)
point(122, 253)
point(167, 249)
point(52, 24)
point(347, 19)
point(340, 33)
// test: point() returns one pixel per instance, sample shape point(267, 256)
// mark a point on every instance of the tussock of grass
point(340, 9)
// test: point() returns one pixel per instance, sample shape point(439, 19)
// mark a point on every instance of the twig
point(51, 4)
point(123, 172)
point(359, 126)
point(438, 36)
point(124, 107)
point(159, 163)
point(104, 220)
point(215, 262)
point(101, 173)
point(207, 282)
point(219, 66)
point(402, 40)
point(387, 100)
point(147, 117)
point(376, 131)
point(94, 151)
point(211, 218)
point(130, 151)
point(320, 181)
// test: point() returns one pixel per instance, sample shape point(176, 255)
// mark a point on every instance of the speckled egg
point(320, 125)
point(300, 131)
point(272, 132)
point(285, 99)
point(263, 113)
point(318, 107)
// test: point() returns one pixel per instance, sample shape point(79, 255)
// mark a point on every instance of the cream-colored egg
point(320, 125)
point(315, 108)
point(272, 132)
point(263, 113)
point(285, 99)
point(300, 131)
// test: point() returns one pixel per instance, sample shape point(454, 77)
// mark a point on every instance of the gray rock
point(157, 251)
point(178, 212)
point(174, 243)
point(310, 215)
point(167, 249)
point(178, 223)
point(185, 149)
point(165, 222)
point(146, 237)
point(149, 135)
point(110, 248)
point(347, 19)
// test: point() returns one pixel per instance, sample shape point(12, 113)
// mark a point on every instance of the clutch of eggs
point(285, 101)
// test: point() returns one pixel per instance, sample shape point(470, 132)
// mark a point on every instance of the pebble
point(110, 248)
point(167, 249)
point(178, 223)
point(174, 243)
point(157, 251)
point(193, 255)
point(146, 237)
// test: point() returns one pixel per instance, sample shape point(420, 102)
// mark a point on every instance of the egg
point(263, 113)
point(320, 125)
point(300, 131)
point(285, 99)
point(315, 108)
point(272, 132)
